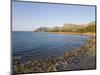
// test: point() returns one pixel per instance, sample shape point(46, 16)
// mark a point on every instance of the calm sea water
point(41, 45)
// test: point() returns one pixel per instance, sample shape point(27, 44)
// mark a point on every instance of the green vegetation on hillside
point(90, 27)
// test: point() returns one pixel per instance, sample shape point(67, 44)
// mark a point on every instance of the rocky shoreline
point(81, 59)
point(75, 33)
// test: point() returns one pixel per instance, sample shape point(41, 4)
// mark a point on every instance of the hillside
point(90, 27)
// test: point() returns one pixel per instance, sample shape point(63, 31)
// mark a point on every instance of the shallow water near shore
point(37, 45)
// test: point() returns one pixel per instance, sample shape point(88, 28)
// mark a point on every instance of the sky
point(28, 16)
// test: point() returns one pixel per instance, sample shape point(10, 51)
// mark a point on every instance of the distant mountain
point(92, 23)
point(90, 27)
point(41, 29)
point(72, 27)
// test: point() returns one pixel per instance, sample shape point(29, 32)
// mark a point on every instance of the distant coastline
point(87, 29)
point(88, 33)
